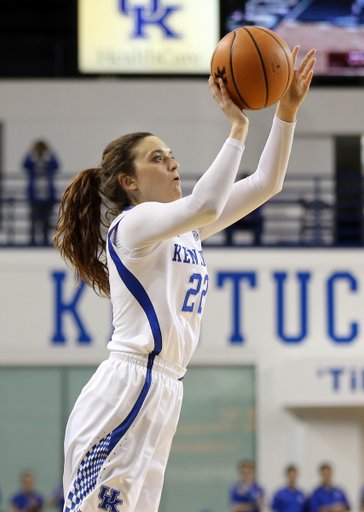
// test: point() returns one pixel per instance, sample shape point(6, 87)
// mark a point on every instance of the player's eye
point(158, 158)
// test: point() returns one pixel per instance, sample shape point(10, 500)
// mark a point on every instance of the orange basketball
point(256, 66)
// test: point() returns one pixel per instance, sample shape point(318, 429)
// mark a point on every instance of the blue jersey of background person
point(327, 497)
point(289, 498)
point(246, 495)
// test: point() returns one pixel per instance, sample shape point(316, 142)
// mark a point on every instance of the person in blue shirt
point(327, 497)
point(289, 498)
point(246, 495)
point(361, 499)
point(27, 500)
point(57, 498)
point(40, 165)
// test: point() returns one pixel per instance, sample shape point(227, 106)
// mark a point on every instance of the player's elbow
point(209, 211)
point(277, 189)
point(274, 188)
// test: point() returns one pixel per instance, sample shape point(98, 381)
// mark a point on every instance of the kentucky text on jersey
point(184, 255)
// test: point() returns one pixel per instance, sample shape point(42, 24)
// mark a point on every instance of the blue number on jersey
point(195, 291)
point(203, 293)
point(192, 291)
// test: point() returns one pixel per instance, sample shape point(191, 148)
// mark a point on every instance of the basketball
point(256, 66)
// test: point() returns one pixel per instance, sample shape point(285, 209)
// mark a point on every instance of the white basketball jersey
point(157, 299)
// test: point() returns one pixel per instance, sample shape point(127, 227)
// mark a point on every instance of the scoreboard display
point(334, 27)
point(147, 36)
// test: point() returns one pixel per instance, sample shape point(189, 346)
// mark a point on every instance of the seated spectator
point(246, 495)
point(252, 222)
point(327, 497)
point(40, 164)
point(27, 499)
point(289, 498)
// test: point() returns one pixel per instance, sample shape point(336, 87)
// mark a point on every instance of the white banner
point(147, 36)
point(320, 383)
point(263, 306)
point(44, 318)
point(271, 304)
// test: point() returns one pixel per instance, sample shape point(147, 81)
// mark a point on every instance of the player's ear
point(128, 182)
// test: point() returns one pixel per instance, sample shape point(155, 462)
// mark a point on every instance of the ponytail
point(78, 235)
point(79, 231)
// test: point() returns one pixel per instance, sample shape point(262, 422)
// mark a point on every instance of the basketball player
point(120, 431)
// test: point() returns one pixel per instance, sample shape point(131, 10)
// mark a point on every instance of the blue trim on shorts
point(94, 459)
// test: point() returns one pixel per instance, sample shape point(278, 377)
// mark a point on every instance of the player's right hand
point(239, 121)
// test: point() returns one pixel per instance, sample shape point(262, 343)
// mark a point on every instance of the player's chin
point(177, 192)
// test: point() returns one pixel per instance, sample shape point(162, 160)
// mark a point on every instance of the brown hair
point(79, 231)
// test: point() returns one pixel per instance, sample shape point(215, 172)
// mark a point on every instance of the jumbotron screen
point(334, 27)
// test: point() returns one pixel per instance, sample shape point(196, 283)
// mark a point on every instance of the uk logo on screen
point(155, 12)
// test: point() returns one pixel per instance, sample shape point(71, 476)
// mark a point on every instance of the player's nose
point(173, 165)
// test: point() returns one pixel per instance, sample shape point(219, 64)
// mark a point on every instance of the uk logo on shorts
point(109, 499)
point(155, 14)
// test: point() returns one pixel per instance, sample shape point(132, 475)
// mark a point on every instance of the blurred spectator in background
point(252, 222)
point(361, 500)
point(27, 499)
point(57, 498)
point(40, 164)
point(327, 498)
point(289, 498)
point(246, 495)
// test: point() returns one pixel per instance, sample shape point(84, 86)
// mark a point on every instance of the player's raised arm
point(251, 192)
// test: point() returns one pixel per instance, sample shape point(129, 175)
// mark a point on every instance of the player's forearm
point(251, 192)
point(214, 188)
point(273, 162)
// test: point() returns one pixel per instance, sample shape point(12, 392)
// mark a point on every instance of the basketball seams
point(232, 71)
point(244, 57)
point(285, 54)
point(263, 66)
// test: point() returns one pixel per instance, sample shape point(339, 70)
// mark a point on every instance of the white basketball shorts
point(119, 435)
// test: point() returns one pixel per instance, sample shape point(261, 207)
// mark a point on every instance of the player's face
point(156, 173)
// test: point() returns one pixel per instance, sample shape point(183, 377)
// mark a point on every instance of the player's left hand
point(300, 84)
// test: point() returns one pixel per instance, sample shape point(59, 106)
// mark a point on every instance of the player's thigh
point(150, 493)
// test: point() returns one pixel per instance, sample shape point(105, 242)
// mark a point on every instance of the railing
point(303, 214)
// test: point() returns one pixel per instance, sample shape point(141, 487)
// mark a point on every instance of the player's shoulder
point(118, 218)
